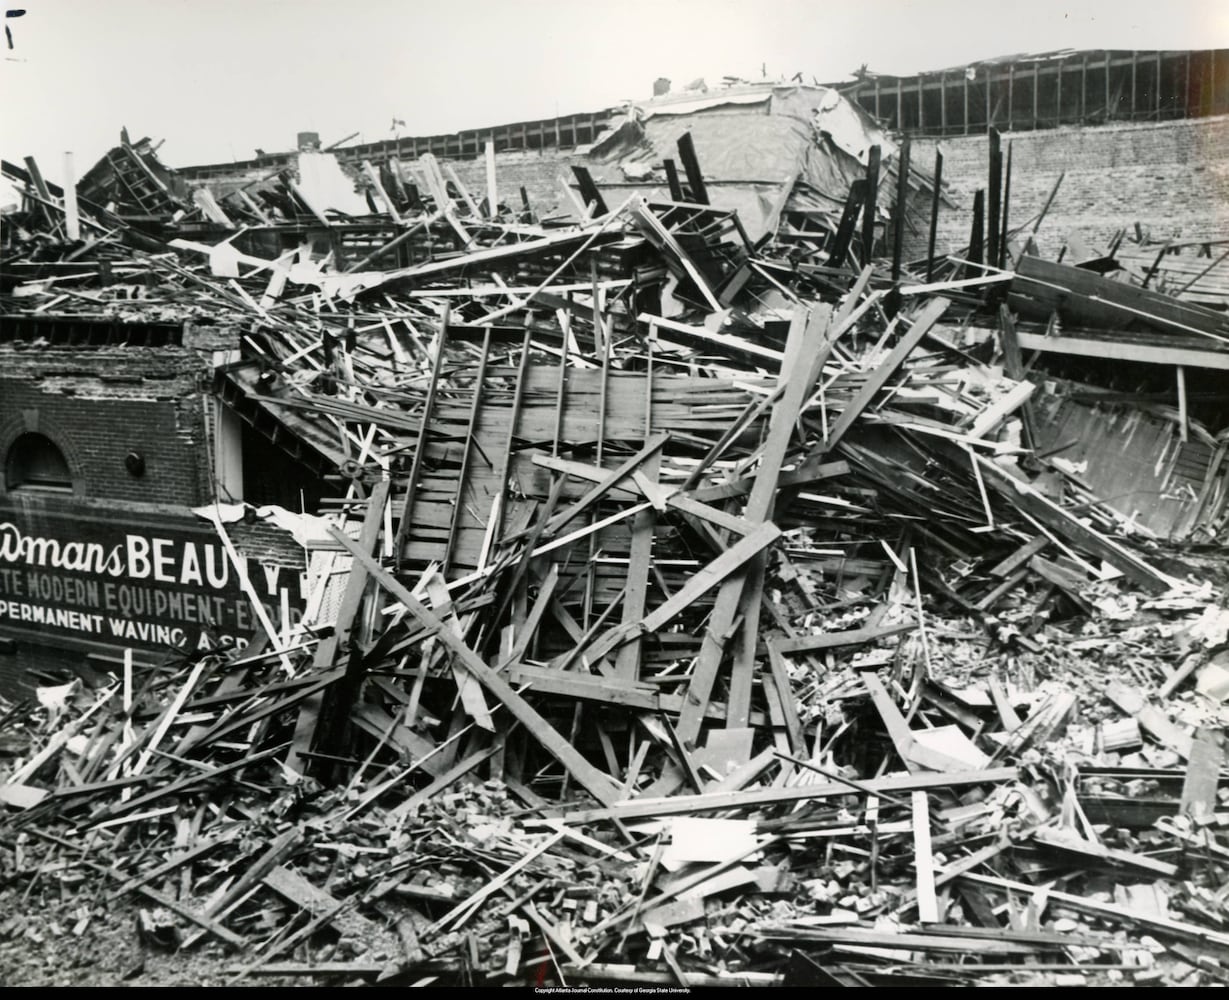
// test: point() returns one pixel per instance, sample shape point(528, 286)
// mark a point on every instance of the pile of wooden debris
point(697, 612)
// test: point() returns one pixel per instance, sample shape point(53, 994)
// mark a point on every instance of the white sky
point(217, 78)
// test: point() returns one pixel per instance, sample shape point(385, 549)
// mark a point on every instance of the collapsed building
point(753, 562)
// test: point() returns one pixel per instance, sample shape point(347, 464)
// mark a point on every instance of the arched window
point(35, 463)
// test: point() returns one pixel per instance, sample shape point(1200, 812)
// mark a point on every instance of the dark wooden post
point(996, 191)
point(976, 237)
point(934, 215)
point(1002, 261)
point(872, 201)
point(902, 201)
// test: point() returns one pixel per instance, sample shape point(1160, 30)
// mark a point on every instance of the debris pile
point(697, 612)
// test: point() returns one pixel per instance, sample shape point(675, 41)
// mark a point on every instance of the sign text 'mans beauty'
point(144, 587)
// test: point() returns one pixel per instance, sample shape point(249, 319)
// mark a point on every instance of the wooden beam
point(1128, 916)
point(806, 350)
point(878, 378)
point(870, 205)
point(977, 235)
point(834, 640)
point(902, 204)
point(934, 215)
point(780, 679)
point(805, 341)
point(691, 166)
point(923, 860)
point(599, 785)
point(323, 718)
point(1116, 350)
point(838, 247)
point(672, 180)
point(492, 190)
point(1026, 498)
point(699, 584)
point(678, 805)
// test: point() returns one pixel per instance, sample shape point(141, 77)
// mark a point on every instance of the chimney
point(661, 86)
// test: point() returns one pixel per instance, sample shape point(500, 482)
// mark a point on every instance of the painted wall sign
point(146, 584)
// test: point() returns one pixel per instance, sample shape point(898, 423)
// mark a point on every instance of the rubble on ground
point(697, 612)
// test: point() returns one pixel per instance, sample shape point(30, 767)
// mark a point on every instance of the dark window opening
point(270, 476)
point(35, 463)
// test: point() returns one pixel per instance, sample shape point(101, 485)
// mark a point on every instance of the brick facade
point(97, 405)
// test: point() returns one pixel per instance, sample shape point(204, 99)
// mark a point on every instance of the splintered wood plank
point(1202, 774)
point(468, 687)
point(310, 712)
point(711, 801)
point(878, 378)
point(1023, 496)
point(893, 721)
point(627, 659)
point(58, 742)
point(806, 350)
point(292, 886)
point(598, 784)
point(1018, 558)
point(1154, 721)
point(606, 481)
point(1125, 915)
point(699, 584)
point(923, 860)
point(374, 720)
point(784, 690)
point(805, 340)
point(849, 637)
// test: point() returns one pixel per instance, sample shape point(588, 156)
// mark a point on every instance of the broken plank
point(600, 785)
point(833, 640)
point(292, 886)
point(923, 860)
point(336, 712)
point(1127, 916)
point(806, 350)
point(1025, 497)
point(680, 804)
point(1018, 558)
point(682, 502)
point(1152, 719)
point(699, 584)
point(1202, 774)
point(784, 690)
point(878, 378)
point(449, 777)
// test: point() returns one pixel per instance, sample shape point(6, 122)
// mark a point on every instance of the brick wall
point(538, 172)
point(1170, 177)
point(100, 404)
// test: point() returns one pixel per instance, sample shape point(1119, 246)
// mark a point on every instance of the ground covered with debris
point(697, 612)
